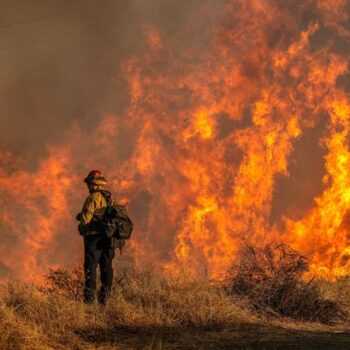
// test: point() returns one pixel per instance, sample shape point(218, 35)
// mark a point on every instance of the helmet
point(95, 177)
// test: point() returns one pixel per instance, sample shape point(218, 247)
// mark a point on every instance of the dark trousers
point(97, 251)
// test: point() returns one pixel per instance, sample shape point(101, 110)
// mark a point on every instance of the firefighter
point(98, 248)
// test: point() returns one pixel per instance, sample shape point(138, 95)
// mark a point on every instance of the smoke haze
point(60, 63)
point(218, 120)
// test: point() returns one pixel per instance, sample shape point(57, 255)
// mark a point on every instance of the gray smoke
point(58, 60)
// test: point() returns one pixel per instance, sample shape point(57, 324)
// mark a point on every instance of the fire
point(209, 131)
point(326, 226)
point(202, 125)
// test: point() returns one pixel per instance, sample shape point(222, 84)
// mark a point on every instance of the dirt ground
point(245, 336)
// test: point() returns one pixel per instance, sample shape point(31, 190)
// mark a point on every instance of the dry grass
point(338, 290)
point(52, 317)
point(142, 305)
point(146, 300)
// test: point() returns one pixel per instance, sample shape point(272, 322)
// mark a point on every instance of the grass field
point(151, 312)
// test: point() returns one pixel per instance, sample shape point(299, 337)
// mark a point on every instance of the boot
point(103, 295)
point(89, 296)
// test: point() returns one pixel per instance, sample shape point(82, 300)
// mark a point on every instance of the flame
point(209, 131)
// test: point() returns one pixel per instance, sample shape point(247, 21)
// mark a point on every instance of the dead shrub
point(68, 283)
point(271, 279)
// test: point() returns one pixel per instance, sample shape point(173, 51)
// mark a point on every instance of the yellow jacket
point(93, 208)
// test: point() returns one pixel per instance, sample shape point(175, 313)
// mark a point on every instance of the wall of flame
point(206, 147)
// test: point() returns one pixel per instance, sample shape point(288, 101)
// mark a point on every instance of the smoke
point(60, 63)
point(217, 119)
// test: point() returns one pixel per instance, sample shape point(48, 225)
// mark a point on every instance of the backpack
point(116, 221)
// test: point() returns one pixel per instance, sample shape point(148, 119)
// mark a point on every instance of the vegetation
point(271, 279)
point(152, 312)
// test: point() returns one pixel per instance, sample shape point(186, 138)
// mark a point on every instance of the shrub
point(271, 279)
point(68, 283)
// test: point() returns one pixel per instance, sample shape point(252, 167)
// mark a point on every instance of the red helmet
point(94, 176)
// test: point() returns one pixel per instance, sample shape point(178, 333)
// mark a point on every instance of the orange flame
point(209, 131)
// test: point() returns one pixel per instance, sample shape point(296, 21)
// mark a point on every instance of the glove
point(83, 230)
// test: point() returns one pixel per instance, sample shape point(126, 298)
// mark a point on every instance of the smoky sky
point(60, 62)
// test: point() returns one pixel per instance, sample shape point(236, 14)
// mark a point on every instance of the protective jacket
point(92, 212)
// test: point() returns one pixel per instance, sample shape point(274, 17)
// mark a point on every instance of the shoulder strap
point(107, 196)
